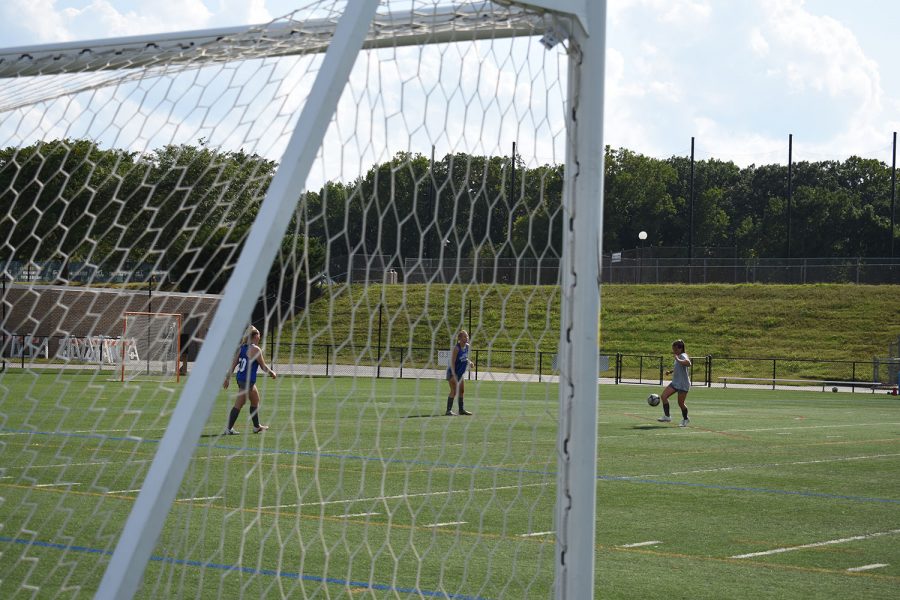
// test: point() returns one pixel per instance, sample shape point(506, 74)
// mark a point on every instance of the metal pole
point(429, 242)
point(893, 192)
point(790, 190)
point(126, 567)
point(3, 323)
point(582, 217)
point(378, 364)
point(149, 310)
point(691, 214)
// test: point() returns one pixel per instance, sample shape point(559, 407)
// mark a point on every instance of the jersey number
point(242, 365)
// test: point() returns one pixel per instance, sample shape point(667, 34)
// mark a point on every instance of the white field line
point(537, 533)
point(639, 544)
point(366, 514)
point(867, 567)
point(767, 465)
point(124, 491)
point(854, 538)
point(447, 524)
point(400, 496)
point(198, 498)
point(43, 485)
point(98, 463)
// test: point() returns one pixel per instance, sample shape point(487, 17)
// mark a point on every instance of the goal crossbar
point(282, 38)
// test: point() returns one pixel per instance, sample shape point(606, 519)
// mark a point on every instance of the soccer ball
point(653, 399)
point(834, 389)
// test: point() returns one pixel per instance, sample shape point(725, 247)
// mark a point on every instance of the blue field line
point(613, 478)
point(251, 571)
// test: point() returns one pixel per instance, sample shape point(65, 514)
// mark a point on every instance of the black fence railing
point(639, 265)
point(490, 363)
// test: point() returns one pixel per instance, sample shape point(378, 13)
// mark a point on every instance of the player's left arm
point(258, 357)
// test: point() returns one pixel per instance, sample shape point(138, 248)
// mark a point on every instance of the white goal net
point(150, 346)
point(348, 188)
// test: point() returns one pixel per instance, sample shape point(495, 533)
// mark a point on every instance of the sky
point(737, 75)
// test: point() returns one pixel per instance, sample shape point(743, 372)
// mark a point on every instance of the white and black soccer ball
point(653, 399)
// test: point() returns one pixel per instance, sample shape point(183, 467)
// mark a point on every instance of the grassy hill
point(828, 321)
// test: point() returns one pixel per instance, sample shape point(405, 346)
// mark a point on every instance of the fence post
point(378, 359)
point(618, 367)
point(327, 358)
point(540, 365)
point(709, 369)
point(774, 361)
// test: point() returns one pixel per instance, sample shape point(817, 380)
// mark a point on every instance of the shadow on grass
point(424, 416)
point(645, 427)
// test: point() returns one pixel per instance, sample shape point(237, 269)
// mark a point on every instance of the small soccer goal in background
point(150, 346)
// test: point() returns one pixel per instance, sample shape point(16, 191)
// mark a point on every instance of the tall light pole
point(643, 237)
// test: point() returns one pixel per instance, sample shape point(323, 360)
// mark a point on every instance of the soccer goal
point(150, 346)
point(359, 181)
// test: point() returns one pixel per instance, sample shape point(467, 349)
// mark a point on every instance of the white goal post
point(256, 164)
point(150, 345)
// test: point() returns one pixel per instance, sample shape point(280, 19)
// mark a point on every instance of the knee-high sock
point(232, 418)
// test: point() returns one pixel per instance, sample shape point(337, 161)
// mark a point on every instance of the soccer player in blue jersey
point(459, 362)
point(681, 383)
point(249, 358)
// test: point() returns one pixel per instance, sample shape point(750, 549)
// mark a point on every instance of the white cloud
point(758, 43)
point(25, 22)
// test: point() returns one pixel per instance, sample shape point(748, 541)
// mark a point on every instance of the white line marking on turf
point(368, 514)
point(447, 524)
point(399, 496)
point(124, 491)
point(200, 498)
point(767, 465)
point(55, 484)
point(855, 538)
point(536, 533)
point(639, 544)
point(867, 567)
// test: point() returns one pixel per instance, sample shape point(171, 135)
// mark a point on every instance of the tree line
point(188, 208)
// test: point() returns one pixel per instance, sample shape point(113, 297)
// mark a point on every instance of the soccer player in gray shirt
point(681, 383)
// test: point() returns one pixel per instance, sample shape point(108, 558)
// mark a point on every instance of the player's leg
point(254, 410)
point(684, 411)
point(239, 401)
point(664, 397)
point(461, 389)
point(451, 381)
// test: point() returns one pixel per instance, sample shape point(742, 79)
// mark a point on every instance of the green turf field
point(361, 489)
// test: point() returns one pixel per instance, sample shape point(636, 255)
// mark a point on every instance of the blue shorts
point(459, 375)
point(242, 383)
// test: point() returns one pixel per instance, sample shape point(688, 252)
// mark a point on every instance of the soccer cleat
point(664, 419)
point(230, 431)
point(685, 423)
point(260, 429)
point(449, 413)
point(464, 412)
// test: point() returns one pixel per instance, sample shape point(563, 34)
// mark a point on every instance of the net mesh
point(434, 206)
point(150, 346)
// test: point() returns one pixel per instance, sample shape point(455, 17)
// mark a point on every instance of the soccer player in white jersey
point(681, 383)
